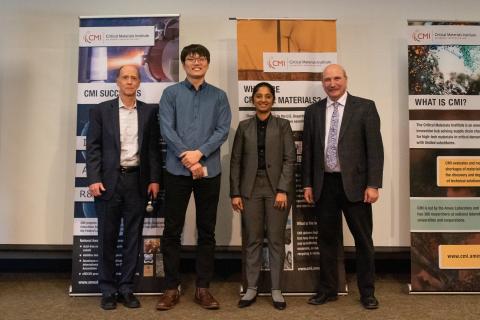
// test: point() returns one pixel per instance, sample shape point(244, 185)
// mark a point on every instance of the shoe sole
point(108, 307)
point(206, 307)
point(163, 308)
point(318, 304)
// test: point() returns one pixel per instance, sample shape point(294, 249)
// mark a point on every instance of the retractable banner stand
point(444, 108)
point(106, 44)
point(290, 55)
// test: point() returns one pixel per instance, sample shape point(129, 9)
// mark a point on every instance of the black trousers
point(178, 190)
point(359, 220)
point(128, 203)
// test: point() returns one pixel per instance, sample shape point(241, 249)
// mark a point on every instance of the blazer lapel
point(141, 117)
point(271, 136)
point(252, 131)
point(322, 118)
point(347, 115)
point(116, 122)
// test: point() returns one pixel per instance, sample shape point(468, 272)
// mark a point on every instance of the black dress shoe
point(243, 303)
point(321, 298)
point(369, 302)
point(109, 302)
point(279, 305)
point(129, 300)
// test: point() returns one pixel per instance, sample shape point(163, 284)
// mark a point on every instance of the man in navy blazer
point(342, 171)
point(123, 168)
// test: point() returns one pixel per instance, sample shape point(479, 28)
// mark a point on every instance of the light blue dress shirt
point(193, 119)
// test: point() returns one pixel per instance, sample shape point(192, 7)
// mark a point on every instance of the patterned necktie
point(331, 154)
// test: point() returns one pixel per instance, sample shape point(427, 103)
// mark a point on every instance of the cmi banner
point(444, 108)
point(291, 55)
point(106, 44)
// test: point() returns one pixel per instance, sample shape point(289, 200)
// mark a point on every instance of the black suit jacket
point(280, 157)
point(360, 147)
point(103, 146)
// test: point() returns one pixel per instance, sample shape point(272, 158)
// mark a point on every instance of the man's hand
point(308, 195)
point(197, 170)
point(280, 201)
point(237, 204)
point(96, 189)
point(189, 158)
point(153, 189)
point(371, 195)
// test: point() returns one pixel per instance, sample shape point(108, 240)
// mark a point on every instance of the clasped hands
point(190, 159)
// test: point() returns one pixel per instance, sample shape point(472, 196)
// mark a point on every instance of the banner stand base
point(98, 294)
point(439, 292)
point(345, 293)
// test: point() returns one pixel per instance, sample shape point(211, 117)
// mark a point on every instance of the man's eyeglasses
point(198, 59)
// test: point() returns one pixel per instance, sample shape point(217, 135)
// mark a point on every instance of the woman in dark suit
point(262, 170)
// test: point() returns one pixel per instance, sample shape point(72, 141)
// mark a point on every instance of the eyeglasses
point(193, 60)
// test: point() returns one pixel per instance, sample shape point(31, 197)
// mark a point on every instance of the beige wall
point(38, 68)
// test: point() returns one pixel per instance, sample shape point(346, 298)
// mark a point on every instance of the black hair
point(193, 49)
point(264, 84)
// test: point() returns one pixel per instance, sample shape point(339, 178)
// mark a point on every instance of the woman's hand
point(237, 204)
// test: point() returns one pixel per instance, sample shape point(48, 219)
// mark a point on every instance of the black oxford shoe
point(108, 302)
point(369, 302)
point(129, 300)
point(321, 298)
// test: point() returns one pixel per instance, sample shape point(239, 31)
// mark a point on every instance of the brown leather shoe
point(204, 298)
point(168, 300)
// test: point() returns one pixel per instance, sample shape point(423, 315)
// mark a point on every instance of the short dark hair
point(136, 67)
point(193, 49)
point(264, 84)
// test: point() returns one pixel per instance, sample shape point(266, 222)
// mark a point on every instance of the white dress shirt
point(128, 120)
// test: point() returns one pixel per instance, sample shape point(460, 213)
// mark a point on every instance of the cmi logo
point(90, 37)
point(421, 36)
point(274, 63)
